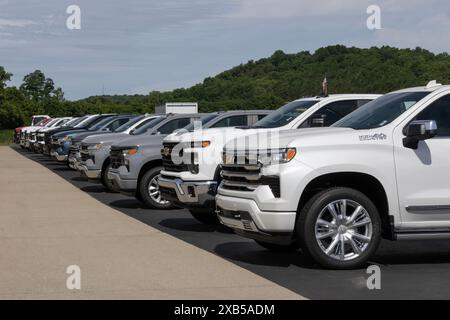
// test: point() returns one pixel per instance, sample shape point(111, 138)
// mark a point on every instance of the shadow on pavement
point(188, 224)
point(252, 253)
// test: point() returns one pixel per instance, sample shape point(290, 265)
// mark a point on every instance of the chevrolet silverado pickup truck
point(40, 133)
point(108, 125)
point(382, 171)
point(34, 121)
point(28, 136)
point(194, 187)
point(48, 135)
point(136, 162)
point(95, 161)
point(61, 138)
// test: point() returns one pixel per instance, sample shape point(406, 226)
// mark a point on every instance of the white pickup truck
point(382, 171)
point(194, 185)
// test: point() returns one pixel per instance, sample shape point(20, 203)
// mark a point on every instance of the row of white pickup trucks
point(332, 175)
point(379, 166)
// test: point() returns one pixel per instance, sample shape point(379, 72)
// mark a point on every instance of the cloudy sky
point(136, 46)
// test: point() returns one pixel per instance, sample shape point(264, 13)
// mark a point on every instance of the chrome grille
point(117, 159)
point(74, 149)
point(245, 175)
point(168, 163)
point(84, 151)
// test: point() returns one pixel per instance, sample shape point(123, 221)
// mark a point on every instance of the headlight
point(261, 157)
point(130, 151)
point(94, 147)
point(276, 156)
point(200, 144)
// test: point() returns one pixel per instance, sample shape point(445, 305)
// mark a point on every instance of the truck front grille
point(74, 149)
point(85, 155)
point(117, 159)
point(168, 163)
point(247, 177)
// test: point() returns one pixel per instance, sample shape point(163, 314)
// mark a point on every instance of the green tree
point(4, 77)
point(38, 88)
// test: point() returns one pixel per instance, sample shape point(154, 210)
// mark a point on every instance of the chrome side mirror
point(419, 130)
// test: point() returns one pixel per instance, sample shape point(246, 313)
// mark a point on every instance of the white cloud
point(428, 33)
point(15, 23)
point(292, 8)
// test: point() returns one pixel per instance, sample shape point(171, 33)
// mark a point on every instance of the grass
point(6, 137)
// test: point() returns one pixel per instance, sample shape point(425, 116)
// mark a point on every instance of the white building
point(177, 107)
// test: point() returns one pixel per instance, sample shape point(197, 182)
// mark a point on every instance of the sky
point(137, 46)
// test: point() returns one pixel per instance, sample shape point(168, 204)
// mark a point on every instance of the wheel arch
point(147, 166)
point(363, 182)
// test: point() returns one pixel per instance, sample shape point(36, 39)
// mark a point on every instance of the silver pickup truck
point(136, 162)
point(95, 162)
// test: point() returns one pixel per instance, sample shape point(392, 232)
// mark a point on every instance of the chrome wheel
point(343, 229)
point(153, 191)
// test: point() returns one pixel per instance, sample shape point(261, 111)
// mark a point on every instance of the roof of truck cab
point(239, 112)
point(343, 96)
point(424, 88)
point(185, 115)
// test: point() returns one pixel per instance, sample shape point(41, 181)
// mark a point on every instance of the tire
point(278, 247)
point(105, 181)
point(149, 179)
point(322, 233)
point(205, 216)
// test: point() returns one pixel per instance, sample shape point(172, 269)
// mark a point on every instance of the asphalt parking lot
point(409, 270)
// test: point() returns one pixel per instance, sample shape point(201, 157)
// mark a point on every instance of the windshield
point(148, 126)
point(92, 121)
point(101, 124)
point(204, 121)
point(71, 122)
point(59, 122)
point(37, 120)
point(128, 124)
point(381, 111)
point(285, 114)
point(81, 121)
point(51, 123)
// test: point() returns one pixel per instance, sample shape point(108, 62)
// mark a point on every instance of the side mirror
point(317, 120)
point(132, 131)
point(419, 130)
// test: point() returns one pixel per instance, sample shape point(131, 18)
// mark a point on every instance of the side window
point(438, 111)
point(143, 123)
point(174, 125)
point(261, 116)
point(331, 113)
point(233, 121)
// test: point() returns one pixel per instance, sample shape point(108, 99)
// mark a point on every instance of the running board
point(422, 235)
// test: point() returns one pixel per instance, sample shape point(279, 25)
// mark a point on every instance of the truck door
point(423, 175)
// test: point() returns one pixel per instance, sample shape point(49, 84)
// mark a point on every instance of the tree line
point(263, 84)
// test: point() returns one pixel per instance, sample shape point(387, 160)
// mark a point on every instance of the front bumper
point(127, 187)
point(60, 157)
point(90, 174)
point(74, 162)
point(244, 216)
point(188, 193)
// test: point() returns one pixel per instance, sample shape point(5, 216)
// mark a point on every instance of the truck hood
point(221, 135)
point(82, 135)
point(31, 128)
point(140, 140)
point(71, 132)
point(106, 138)
point(286, 138)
